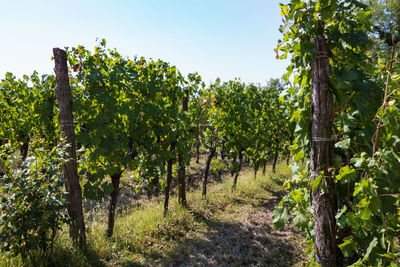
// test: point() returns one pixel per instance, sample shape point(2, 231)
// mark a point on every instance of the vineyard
point(113, 161)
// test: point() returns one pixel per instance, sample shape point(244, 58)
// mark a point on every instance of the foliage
point(143, 237)
point(366, 180)
point(386, 15)
point(245, 118)
point(33, 204)
point(127, 113)
point(28, 109)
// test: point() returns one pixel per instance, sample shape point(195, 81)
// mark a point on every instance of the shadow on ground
point(250, 241)
point(68, 255)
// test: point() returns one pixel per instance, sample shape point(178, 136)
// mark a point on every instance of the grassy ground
point(227, 229)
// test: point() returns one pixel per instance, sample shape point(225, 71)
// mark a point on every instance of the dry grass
point(239, 227)
point(229, 229)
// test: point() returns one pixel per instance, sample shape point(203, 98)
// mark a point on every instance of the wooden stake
point(323, 197)
point(73, 188)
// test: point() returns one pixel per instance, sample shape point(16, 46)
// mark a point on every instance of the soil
point(249, 240)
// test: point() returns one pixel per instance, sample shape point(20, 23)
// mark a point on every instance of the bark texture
point(207, 170)
point(73, 188)
point(169, 180)
point(198, 148)
point(323, 197)
point(181, 161)
point(24, 150)
point(115, 178)
point(182, 181)
point(264, 166)
point(237, 174)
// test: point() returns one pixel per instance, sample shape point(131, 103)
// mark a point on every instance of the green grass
point(143, 237)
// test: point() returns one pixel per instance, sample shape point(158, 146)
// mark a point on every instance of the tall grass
point(143, 237)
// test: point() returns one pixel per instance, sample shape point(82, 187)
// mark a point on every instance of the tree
point(386, 15)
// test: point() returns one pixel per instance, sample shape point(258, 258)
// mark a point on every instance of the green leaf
point(315, 183)
point(297, 195)
point(344, 144)
point(300, 221)
point(365, 214)
point(348, 247)
point(371, 246)
point(84, 138)
point(360, 187)
point(107, 188)
point(346, 173)
point(376, 205)
point(359, 161)
point(281, 216)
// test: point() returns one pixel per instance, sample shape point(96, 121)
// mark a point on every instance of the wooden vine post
point(210, 156)
point(323, 195)
point(170, 162)
point(181, 162)
point(73, 188)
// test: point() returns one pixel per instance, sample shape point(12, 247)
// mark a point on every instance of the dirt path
point(249, 240)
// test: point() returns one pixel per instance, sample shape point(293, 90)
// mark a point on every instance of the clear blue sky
point(216, 38)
